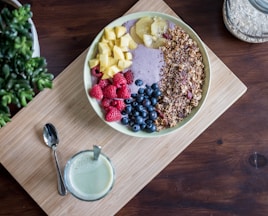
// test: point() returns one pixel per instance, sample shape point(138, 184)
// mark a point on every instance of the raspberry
point(120, 105)
point(95, 71)
point(119, 80)
point(113, 114)
point(103, 83)
point(123, 92)
point(129, 77)
point(96, 92)
point(106, 102)
point(110, 92)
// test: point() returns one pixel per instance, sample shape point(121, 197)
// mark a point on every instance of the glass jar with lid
point(247, 19)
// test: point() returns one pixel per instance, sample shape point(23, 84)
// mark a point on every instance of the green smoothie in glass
point(88, 179)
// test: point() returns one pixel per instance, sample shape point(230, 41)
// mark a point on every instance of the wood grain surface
point(211, 177)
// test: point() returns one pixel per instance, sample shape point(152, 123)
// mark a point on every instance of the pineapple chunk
point(109, 72)
point(124, 41)
point(104, 48)
point(112, 61)
point(104, 40)
point(128, 56)
point(132, 44)
point(93, 62)
point(111, 44)
point(123, 64)
point(113, 51)
point(109, 33)
point(120, 31)
point(118, 53)
point(104, 61)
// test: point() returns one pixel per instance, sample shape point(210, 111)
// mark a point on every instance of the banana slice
point(143, 26)
point(158, 27)
point(134, 35)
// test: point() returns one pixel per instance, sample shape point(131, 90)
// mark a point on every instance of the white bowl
point(93, 50)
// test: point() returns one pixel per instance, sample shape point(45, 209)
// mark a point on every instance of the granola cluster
point(182, 78)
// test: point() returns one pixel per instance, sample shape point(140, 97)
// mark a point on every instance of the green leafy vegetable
point(21, 75)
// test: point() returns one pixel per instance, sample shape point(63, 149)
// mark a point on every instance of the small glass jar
point(247, 19)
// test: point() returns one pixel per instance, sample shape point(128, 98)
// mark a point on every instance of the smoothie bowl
point(147, 74)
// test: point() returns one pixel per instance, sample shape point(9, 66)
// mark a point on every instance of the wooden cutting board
point(136, 160)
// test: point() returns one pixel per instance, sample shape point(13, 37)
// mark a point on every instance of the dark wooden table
point(213, 175)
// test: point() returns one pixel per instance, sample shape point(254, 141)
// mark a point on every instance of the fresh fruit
point(159, 27)
point(139, 82)
point(140, 111)
point(110, 92)
point(123, 92)
point(129, 77)
point(150, 31)
point(120, 105)
point(122, 63)
point(134, 35)
point(120, 31)
point(113, 51)
point(96, 92)
point(143, 26)
point(113, 114)
point(119, 80)
point(106, 102)
point(103, 83)
point(109, 33)
point(95, 71)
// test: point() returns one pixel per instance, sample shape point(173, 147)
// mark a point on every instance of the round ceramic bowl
point(36, 47)
point(117, 125)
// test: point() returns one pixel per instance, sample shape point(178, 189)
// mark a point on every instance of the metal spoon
point(96, 152)
point(51, 139)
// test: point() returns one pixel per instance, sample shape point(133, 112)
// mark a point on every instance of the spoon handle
point(61, 185)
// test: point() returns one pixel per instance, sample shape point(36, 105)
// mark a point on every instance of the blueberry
point(138, 120)
point(153, 101)
point(156, 93)
point(135, 128)
point(141, 91)
point(128, 109)
point(125, 120)
point(143, 114)
point(150, 128)
point(146, 102)
point(142, 126)
point(155, 86)
point(140, 98)
point(153, 115)
point(150, 108)
point(139, 108)
point(135, 113)
point(139, 82)
point(135, 103)
point(149, 121)
point(148, 91)
point(128, 101)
